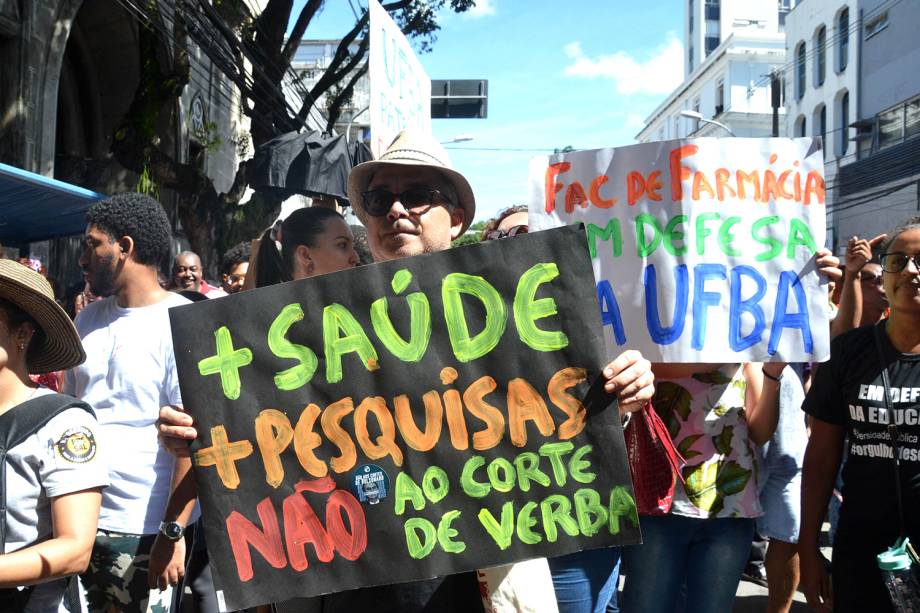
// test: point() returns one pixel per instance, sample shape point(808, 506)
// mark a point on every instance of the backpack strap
point(21, 422)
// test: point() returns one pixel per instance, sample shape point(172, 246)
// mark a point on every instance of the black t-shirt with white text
point(848, 391)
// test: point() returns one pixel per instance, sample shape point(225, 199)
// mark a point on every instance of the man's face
point(233, 282)
point(99, 260)
point(403, 233)
point(187, 272)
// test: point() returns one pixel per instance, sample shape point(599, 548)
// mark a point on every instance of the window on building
point(876, 25)
point(843, 40)
point(820, 55)
point(800, 71)
point(690, 59)
point(696, 109)
point(912, 119)
point(711, 43)
point(820, 123)
point(843, 125)
point(890, 127)
point(800, 126)
point(690, 13)
point(784, 7)
point(720, 97)
point(713, 10)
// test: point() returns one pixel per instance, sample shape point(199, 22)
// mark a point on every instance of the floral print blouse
point(705, 416)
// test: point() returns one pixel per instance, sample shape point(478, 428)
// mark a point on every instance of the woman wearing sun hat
point(51, 480)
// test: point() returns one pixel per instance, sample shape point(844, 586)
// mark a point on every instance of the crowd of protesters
point(101, 505)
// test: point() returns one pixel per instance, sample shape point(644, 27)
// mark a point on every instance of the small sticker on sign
point(370, 484)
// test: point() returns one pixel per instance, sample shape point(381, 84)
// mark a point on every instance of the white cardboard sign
point(400, 90)
point(703, 249)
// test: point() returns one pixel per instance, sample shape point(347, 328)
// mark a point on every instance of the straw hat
point(412, 148)
point(60, 347)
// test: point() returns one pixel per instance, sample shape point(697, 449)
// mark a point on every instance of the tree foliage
point(471, 237)
point(254, 53)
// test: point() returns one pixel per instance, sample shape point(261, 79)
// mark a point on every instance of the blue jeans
point(704, 556)
point(585, 581)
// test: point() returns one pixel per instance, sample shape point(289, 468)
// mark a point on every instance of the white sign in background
point(703, 249)
point(400, 90)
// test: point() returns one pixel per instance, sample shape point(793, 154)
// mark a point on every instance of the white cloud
point(658, 73)
point(482, 8)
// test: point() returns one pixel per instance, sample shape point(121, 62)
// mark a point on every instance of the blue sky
point(583, 73)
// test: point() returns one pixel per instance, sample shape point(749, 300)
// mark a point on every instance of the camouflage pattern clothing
point(116, 579)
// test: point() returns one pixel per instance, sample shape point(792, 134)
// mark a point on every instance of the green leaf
point(672, 398)
point(721, 410)
point(732, 478)
point(691, 454)
point(673, 425)
point(717, 506)
point(716, 377)
point(723, 442)
point(700, 484)
point(683, 448)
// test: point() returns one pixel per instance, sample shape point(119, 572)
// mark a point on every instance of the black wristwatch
point(172, 530)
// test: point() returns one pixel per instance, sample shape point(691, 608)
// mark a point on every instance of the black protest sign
point(405, 420)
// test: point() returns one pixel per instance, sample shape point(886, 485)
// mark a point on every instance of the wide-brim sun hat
point(412, 148)
point(59, 347)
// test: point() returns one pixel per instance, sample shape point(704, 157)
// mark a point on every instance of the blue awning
point(35, 208)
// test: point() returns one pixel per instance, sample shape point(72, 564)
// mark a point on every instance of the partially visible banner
point(703, 249)
point(406, 420)
point(400, 88)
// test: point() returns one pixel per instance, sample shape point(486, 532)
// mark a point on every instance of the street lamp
point(695, 115)
point(460, 138)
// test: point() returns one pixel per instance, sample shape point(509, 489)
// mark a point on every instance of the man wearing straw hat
point(413, 202)
point(130, 372)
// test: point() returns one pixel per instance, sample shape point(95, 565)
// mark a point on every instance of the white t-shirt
point(62, 457)
point(129, 373)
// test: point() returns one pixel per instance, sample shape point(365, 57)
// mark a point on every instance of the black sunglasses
point(896, 262)
point(496, 234)
point(417, 200)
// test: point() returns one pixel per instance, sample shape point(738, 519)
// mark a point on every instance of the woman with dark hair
point(509, 222)
point(866, 397)
point(311, 241)
point(52, 473)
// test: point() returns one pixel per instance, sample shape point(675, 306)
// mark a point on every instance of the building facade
point(708, 23)
point(311, 60)
point(731, 49)
point(879, 187)
point(821, 79)
point(70, 71)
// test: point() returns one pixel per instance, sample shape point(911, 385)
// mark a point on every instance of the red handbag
point(654, 462)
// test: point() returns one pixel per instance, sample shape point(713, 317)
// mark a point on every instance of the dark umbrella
point(307, 163)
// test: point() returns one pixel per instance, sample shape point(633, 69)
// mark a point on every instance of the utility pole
point(775, 98)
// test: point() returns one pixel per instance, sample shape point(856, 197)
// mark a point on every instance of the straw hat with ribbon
point(412, 148)
point(59, 348)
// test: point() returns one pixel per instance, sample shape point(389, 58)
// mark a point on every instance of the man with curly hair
point(234, 266)
point(129, 373)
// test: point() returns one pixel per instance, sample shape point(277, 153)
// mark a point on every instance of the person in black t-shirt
point(847, 402)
